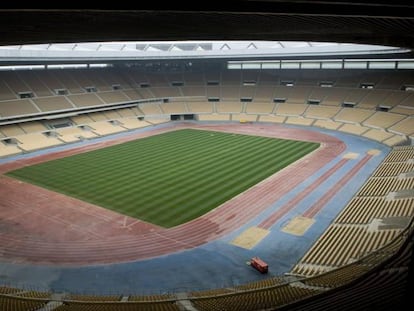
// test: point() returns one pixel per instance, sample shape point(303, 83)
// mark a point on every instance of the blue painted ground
point(216, 264)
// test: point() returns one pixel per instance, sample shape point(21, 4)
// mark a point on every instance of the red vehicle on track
point(259, 265)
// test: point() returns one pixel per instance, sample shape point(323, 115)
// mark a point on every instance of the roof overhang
point(140, 50)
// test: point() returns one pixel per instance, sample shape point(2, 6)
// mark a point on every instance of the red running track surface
point(42, 226)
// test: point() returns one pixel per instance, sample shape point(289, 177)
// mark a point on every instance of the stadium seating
point(391, 128)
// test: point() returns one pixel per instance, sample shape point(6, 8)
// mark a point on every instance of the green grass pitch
point(167, 179)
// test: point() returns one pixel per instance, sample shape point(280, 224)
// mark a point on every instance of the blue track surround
point(215, 264)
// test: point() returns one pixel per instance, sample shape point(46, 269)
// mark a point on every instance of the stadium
point(148, 159)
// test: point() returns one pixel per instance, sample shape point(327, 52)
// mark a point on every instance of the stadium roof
point(387, 23)
point(140, 50)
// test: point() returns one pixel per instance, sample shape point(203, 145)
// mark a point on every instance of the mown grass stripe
point(170, 178)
